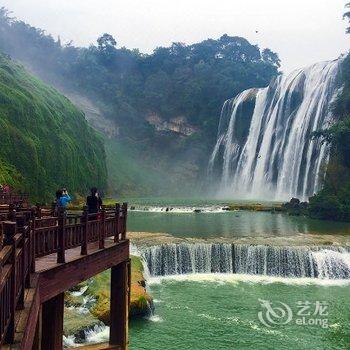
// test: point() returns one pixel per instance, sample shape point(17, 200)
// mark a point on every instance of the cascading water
point(184, 258)
point(264, 147)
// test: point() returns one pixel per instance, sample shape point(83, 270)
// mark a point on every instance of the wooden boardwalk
point(41, 257)
point(49, 262)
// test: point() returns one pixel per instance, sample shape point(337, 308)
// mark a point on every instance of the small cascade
point(184, 258)
point(264, 146)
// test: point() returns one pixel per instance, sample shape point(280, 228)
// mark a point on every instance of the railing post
point(1, 240)
point(102, 229)
point(21, 222)
point(10, 229)
point(12, 212)
point(61, 256)
point(38, 211)
point(125, 216)
point(84, 242)
point(119, 305)
point(117, 221)
point(32, 241)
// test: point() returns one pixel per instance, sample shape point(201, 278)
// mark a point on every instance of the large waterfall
point(184, 258)
point(264, 147)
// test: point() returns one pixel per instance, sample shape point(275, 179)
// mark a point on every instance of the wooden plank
point(28, 318)
point(5, 253)
point(52, 323)
point(119, 302)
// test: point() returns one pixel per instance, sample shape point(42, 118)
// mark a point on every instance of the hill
point(163, 107)
point(45, 142)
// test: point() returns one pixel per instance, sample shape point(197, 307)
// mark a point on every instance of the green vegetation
point(45, 142)
point(333, 201)
point(184, 84)
point(76, 324)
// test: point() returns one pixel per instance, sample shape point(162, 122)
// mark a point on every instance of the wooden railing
point(13, 198)
point(24, 237)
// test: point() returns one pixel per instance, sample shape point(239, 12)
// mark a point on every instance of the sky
point(302, 32)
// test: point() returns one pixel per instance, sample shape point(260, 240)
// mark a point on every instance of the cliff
point(45, 141)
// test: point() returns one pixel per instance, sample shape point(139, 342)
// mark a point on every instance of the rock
point(294, 202)
point(77, 324)
point(141, 303)
point(295, 207)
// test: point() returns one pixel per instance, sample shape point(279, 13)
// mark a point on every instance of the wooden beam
point(29, 317)
point(119, 305)
point(65, 276)
point(37, 335)
point(52, 323)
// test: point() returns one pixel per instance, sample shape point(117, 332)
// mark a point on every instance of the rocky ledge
point(87, 305)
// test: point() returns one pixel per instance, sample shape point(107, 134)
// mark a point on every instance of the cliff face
point(45, 141)
point(178, 125)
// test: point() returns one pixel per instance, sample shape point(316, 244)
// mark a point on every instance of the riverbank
point(201, 206)
point(147, 239)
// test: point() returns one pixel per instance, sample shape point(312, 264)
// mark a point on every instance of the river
point(252, 310)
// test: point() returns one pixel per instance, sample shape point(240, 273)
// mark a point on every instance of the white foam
point(237, 278)
point(80, 292)
point(99, 334)
point(69, 342)
point(332, 263)
point(180, 209)
point(155, 318)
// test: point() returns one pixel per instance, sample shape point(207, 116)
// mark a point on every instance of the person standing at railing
point(94, 202)
point(64, 199)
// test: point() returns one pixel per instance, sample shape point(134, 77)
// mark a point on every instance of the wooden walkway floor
point(50, 261)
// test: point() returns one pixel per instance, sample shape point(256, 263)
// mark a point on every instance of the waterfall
point(184, 258)
point(264, 146)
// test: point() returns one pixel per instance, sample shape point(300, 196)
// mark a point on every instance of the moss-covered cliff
point(45, 141)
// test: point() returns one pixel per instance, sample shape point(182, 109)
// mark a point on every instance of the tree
point(106, 42)
point(347, 16)
point(271, 57)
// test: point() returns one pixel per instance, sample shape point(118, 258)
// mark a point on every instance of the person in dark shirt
point(94, 201)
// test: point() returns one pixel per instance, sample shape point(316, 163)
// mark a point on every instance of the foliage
point(347, 16)
point(333, 201)
point(45, 142)
point(190, 81)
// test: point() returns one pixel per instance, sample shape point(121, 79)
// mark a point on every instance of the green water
point(224, 315)
point(216, 312)
point(222, 224)
point(230, 224)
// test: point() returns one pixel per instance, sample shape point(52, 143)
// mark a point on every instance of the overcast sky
point(300, 31)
